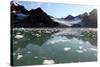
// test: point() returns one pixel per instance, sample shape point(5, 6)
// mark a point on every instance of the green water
point(35, 47)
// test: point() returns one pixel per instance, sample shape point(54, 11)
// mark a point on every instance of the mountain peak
point(69, 17)
point(14, 3)
point(39, 8)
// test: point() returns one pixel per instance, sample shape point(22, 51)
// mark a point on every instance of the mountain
point(16, 8)
point(38, 18)
point(69, 17)
point(21, 17)
point(89, 19)
point(18, 14)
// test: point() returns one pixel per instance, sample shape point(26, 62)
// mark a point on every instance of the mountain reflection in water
point(33, 47)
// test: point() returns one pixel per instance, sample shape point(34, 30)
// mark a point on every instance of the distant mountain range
point(21, 17)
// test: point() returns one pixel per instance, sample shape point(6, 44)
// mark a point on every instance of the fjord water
point(53, 46)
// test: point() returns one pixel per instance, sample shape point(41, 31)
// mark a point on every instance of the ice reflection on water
point(49, 48)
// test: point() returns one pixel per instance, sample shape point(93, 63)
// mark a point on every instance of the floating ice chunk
point(18, 33)
point(52, 42)
point(35, 57)
point(48, 62)
point(67, 49)
point(80, 47)
point(19, 57)
point(93, 49)
point(19, 36)
point(79, 51)
point(13, 11)
point(38, 35)
point(47, 32)
point(22, 28)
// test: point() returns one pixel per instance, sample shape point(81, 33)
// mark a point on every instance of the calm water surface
point(36, 47)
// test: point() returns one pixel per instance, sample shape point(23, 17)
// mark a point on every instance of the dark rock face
point(18, 8)
point(79, 16)
point(17, 20)
point(33, 18)
point(38, 18)
point(69, 17)
point(93, 18)
point(90, 20)
point(76, 25)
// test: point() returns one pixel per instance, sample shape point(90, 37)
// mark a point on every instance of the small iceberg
point(80, 47)
point(79, 51)
point(19, 57)
point(48, 62)
point(93, 49)
point(18, 33)
point(37, 35)
point(19, 36)
point(67, 49)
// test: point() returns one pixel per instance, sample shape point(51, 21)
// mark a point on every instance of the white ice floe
point(13, 11)
point(52, 42)
point(19, 36)
point(38, 35)
point(19, 57)
point(67, 49)
point(35, 57)
point(48, 62)
point(80, 47)
point(79, 51)
point(93, 49)
point(47, 31)
point(23, 29)
point(18, 33)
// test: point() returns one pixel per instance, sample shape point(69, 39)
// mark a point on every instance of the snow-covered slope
point(66, 22)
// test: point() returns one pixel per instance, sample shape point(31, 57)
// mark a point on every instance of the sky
point(58, 10)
